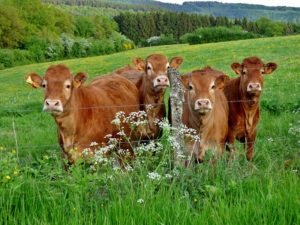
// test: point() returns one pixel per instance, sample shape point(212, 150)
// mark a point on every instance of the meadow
point(35, 189)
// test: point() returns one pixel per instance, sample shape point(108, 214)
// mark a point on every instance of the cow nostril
point(56, 104)
point(47, 103)
point(250, 86)
point(158, 80)
point(166, 80)
point(206, 102)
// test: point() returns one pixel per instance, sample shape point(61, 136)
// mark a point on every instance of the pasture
point(35, 189)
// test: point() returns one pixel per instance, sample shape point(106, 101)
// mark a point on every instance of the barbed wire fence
point(13, 101)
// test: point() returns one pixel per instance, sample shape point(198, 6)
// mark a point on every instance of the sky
point(294, 3)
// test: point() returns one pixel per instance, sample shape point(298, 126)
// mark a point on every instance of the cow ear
point(221, 81)
point(139, 63)
point(185, 81)
point(270, 67)
point(79, 79)
point(237, 68)
point(176, 62)
point(34, 80)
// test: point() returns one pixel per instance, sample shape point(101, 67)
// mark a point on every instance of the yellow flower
point(75, 148)
point(195, 200)
point(80, 154)
point(46, 157)
point(74, 209)
point(102, 204)
point(16, 172)
point(1, 148)
point(7, 177)
point(14, 152)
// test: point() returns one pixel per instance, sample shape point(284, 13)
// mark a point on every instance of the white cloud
point(293, 3)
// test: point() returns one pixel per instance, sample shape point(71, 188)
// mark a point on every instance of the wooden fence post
point(175, 108)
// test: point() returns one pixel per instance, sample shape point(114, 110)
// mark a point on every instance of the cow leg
point(250, 144)
point(230, 141)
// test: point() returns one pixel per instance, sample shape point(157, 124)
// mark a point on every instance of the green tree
point(11, 27)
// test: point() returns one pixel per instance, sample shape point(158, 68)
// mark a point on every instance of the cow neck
point(250, 107)
point(149, 96)
point(66, 120)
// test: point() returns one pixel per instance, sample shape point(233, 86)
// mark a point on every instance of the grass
point(39, 191)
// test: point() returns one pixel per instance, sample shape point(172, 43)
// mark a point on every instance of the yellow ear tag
point(77, 84)
point(29, 81)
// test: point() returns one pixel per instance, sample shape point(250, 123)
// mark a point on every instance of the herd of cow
point(220, 109)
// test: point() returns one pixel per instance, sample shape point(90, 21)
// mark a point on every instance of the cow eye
point(149, 68)
point(44, 85)
point(244, 72)
point(190, 87)
point(213, 87)
point(68, 86)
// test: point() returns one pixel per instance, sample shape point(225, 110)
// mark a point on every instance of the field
point(35, 189)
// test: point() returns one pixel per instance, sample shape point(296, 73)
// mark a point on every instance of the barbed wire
point(296, 99)
point(38, 147)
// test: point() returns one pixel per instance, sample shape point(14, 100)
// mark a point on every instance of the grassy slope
point(230, 194)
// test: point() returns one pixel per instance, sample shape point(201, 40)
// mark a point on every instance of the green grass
point(265, 192)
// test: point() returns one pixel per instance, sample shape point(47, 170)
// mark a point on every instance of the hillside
point(35, 188)
point(252, 12)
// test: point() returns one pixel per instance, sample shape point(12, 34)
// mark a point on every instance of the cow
point(205, 109)
point(243, 94)
point(83, 114)
point(152, 86)
point(150, 77)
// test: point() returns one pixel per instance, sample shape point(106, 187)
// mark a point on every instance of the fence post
point(175, 109)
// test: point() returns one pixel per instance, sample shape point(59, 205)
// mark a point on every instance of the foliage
point(218, 34)
point(231, 192)
point(11, 27)
point(142, 26)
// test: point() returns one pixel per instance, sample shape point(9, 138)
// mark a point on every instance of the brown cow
point(205, 109)
point(150, 77)
point(152, 86)
point(243, 94)
point(83, 114)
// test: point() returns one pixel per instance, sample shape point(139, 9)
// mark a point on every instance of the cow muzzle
point(254, 88)
point(203, 106)
point(161, 81)
point(54, 107)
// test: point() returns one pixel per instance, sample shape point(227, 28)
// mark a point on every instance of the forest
point(35, 31)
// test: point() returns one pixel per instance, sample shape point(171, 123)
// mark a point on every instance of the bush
point(15, 57)
point(217, 34)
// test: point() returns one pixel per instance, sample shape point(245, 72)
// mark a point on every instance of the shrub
point(217, 34)
point(15, 57)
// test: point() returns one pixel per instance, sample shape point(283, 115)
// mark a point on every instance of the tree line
point(140, 26)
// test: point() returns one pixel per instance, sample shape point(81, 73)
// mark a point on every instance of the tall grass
point(35, 189)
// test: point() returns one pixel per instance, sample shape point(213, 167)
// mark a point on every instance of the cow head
point(201, 86)
point(156, 69)
point(58, 84)
point(252, 73)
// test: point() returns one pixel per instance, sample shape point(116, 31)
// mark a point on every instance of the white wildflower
point(270, 139)
point(128, 168)
point(108, 136)
point(93, 143)
point(121, 133)
point(116, 122)
point(154, 176)
point(168, 175)
point(140, 200)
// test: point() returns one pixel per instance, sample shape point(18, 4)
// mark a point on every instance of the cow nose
point(53, 105)
point(161, 81)
point(202, 104)
point(254, 87)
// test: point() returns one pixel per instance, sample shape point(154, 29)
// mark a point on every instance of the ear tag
point(29, 81)
point(77, 84)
